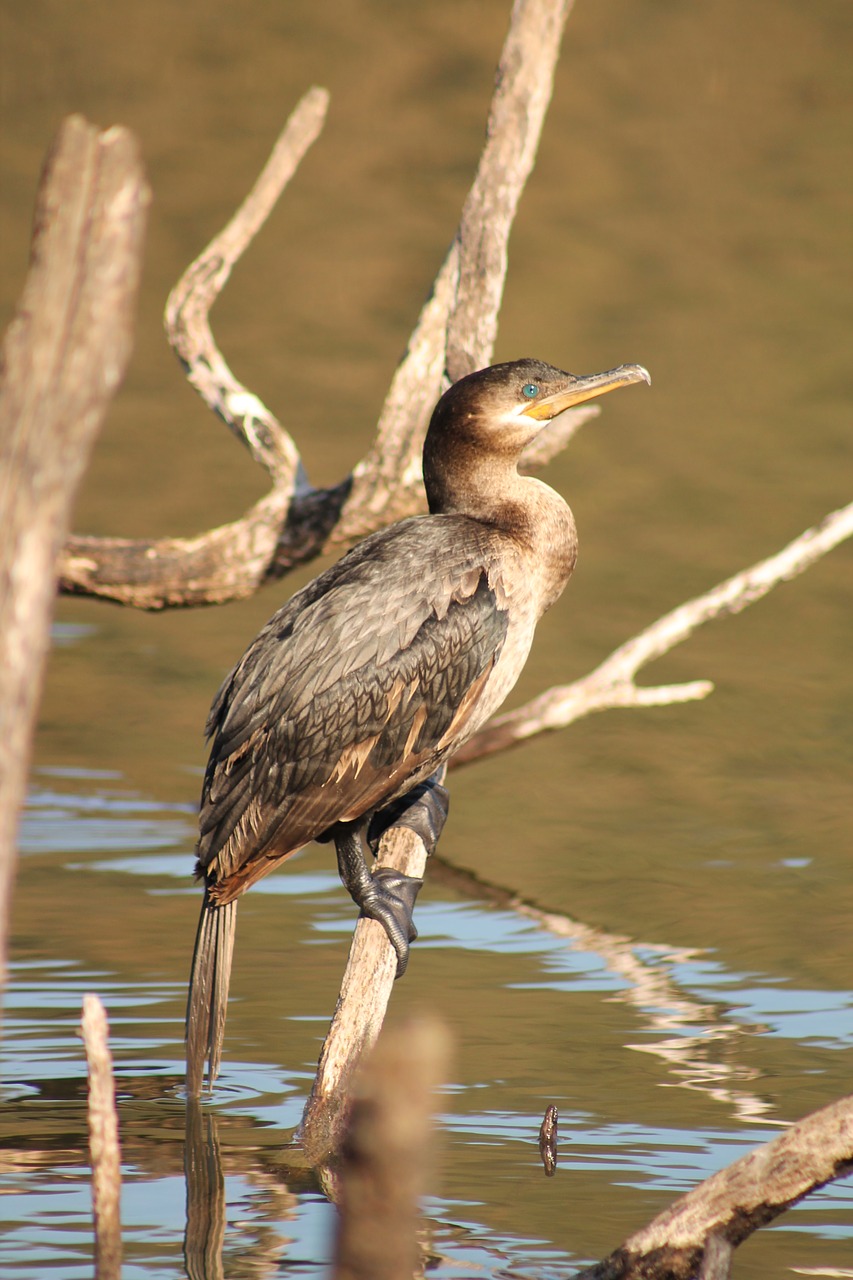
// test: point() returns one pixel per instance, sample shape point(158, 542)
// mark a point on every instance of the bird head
point(491, 415)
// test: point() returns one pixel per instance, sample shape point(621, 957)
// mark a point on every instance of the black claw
point(423, 810)
point(391, 901)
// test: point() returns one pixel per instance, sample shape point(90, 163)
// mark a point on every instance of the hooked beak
point(586, 387)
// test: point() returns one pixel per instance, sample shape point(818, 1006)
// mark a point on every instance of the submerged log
point(695, 1235)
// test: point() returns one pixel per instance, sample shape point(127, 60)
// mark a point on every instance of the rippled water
point(693, 1019)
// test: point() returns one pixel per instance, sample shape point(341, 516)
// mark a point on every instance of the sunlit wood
point(63, 357)
point(732, 1204)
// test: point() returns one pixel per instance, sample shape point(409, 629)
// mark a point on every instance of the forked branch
point(455, 334)
point(189, 304)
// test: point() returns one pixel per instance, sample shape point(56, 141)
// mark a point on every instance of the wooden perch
point(365, 992)
point(63, 357)
point(726, 1208)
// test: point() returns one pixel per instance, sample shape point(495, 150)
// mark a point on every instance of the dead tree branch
point(455, 334)
point(738, 1200)
point(525, 81)
point(62, 360)
point(189, 303)
point(365, 992)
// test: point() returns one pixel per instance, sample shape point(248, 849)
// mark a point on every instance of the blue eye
point(530, 390)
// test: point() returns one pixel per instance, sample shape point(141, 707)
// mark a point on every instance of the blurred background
point(691, 210)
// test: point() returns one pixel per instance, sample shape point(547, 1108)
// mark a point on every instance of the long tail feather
point(208, 995)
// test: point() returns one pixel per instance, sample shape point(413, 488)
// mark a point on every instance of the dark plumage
point(376, 672)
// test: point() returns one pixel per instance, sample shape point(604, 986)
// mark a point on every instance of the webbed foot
point(390, 899)
point(387, 896)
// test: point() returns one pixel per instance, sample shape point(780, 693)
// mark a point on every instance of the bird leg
point(423, 810)
point(388, 895)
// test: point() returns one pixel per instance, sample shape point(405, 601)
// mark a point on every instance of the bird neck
point(534, 518)
point(541, 526)
point(465, 481)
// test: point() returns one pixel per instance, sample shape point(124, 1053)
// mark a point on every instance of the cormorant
point(370, 677)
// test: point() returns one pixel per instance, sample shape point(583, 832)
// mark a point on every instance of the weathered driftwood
point(725, 1209)
point(104, 1151)
point(63, 357)
point(385, 1158)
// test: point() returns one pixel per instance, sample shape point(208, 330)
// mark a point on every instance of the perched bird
point(369, 678)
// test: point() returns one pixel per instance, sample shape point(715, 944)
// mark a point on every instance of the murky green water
point(691, 210)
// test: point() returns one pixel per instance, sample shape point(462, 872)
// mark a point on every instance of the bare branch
point(190, 301)
point(388, 483)
point(103, 1141)
point(525, 81)
point(737, 1201)
point(612, 684)
point(386, 1154)
point(227, 563)
point(365, 992)
point(457, 328)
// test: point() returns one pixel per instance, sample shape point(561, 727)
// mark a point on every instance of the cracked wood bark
point(63, 357)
